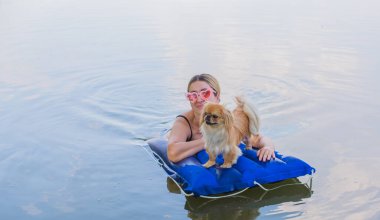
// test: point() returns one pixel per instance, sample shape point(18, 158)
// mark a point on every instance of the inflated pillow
point(247, 172)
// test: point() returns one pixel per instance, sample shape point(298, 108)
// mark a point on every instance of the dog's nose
point(207, 118)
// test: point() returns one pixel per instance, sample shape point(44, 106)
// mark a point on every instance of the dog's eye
point(215, 116)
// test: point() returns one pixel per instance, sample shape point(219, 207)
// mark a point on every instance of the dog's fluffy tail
point(250, 110)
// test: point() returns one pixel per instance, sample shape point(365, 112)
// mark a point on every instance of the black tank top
point(188, 122)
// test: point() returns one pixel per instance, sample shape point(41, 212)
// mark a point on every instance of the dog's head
point(216, 115)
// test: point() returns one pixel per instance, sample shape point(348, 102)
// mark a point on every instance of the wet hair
point(209, 79)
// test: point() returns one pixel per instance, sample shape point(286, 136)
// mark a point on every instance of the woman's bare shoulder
point(180, 128)
point(188, 115)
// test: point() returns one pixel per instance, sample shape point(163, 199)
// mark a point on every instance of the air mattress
point(197, 180)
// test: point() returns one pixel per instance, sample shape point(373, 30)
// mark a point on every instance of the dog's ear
point(228, 120)
point(202, 119)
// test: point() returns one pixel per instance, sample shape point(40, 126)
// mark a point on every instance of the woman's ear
point(218, 97)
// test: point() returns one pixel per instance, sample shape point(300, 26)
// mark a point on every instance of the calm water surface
point(84, 84)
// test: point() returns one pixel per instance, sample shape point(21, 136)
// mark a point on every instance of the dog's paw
point(209, 164)
point(226, 165)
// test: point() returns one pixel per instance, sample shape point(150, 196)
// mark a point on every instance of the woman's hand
point(266, 153)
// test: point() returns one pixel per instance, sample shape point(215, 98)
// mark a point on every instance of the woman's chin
point(199, 106)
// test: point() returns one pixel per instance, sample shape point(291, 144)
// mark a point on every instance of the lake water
point(84, 84)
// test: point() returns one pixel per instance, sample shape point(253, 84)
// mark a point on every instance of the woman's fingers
point(269, 155)
point(265, 154)
point(265, 158)
point(262, 155)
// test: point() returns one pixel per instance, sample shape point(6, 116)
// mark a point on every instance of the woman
point(185, 138)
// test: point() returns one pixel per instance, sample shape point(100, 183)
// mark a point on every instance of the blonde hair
point(209, 79)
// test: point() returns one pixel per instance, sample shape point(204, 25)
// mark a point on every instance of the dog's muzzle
point(208, 121)
point(211, 123)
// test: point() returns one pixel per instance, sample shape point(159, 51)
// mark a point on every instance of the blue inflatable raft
point(196, 180)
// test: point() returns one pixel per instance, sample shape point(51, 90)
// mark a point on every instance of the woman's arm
point(265, 145)
point(178, 148)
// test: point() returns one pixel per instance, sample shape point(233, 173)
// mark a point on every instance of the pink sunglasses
point(204, 94)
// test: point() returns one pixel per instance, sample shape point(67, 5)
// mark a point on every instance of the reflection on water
point(83, 85)
point(249, 204)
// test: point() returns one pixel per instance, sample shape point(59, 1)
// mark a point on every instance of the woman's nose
point(199, 99)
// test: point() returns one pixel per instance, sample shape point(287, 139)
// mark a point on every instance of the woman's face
point(198, 103)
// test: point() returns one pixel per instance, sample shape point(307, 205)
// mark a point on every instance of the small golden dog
point(223, 130)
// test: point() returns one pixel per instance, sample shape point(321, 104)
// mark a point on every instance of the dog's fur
point(223, 130)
